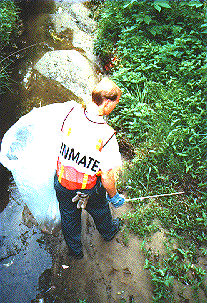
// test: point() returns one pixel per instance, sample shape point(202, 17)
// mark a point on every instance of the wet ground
point(23, 255)
point(109, 272)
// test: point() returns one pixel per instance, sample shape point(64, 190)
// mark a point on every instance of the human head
point(105, 89)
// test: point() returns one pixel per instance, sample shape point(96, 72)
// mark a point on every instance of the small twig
point(155, 196)
point(21, 50)
point(10, 255)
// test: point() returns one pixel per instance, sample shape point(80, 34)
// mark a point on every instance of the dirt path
point(109, 272)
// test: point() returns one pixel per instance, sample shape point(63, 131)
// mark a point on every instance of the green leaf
point(163, 4)
point(195, 3)
point(157, 7)
point(199, 219)
point(129, 4)
point(183, 154)
point(147, 19)
point(147, 264)
point(153, 32)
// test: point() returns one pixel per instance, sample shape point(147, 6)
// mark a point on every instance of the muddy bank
point(109, 272)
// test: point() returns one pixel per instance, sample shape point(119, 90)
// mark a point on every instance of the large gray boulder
point(72, 15)
point(75, 16)
point(71, 69)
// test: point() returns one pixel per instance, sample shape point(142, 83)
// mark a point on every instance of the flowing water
point(23, 256)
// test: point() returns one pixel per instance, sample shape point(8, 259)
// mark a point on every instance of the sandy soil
point(109, 272)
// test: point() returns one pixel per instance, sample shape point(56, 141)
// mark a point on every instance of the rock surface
point(75, 16)
point(71, 69)
point(75, 70)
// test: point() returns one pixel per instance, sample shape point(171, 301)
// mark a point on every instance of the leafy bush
point(156, 52)
point(9, 21)
point(9, 27)
point(162, 75)
point(169, 127)
point(180, 266)
point(182, 60)
point(158, 21)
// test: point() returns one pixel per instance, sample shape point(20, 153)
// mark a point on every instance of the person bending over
point(89, 154)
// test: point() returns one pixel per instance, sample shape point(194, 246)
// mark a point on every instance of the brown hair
point(106, 88)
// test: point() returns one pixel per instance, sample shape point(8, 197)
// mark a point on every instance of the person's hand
point(117, 201)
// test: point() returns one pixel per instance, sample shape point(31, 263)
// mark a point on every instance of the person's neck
point(95, 109)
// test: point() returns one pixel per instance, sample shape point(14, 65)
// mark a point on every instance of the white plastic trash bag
point(29, 150)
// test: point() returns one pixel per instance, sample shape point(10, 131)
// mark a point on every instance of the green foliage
point(162, 281)
point(181, 60)
point(184, 217)
point(143, 18)
point(141, 221)
point(110, 25)
point(9, 27)
point(167, 127)
point(178, 264)
point(162, 76)
point(131, 111)
point(156, 52)
point(9, 21)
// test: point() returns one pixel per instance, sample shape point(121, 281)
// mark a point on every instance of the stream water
point(23, 256)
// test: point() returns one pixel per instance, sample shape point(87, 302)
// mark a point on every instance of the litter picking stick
point(155, 196)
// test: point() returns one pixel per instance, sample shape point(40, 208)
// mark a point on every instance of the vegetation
point(9, 29)
point(156, 52)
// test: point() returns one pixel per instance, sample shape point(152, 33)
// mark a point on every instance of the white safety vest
point(80, 158)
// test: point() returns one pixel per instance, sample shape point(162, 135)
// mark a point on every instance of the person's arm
point(109, 182)
point(110, 164)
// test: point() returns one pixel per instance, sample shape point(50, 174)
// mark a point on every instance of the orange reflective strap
point(85, 180)
point(99, 145)
point(69, 131)
point(71, 179)
point(61, 173)
point(99, 173)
